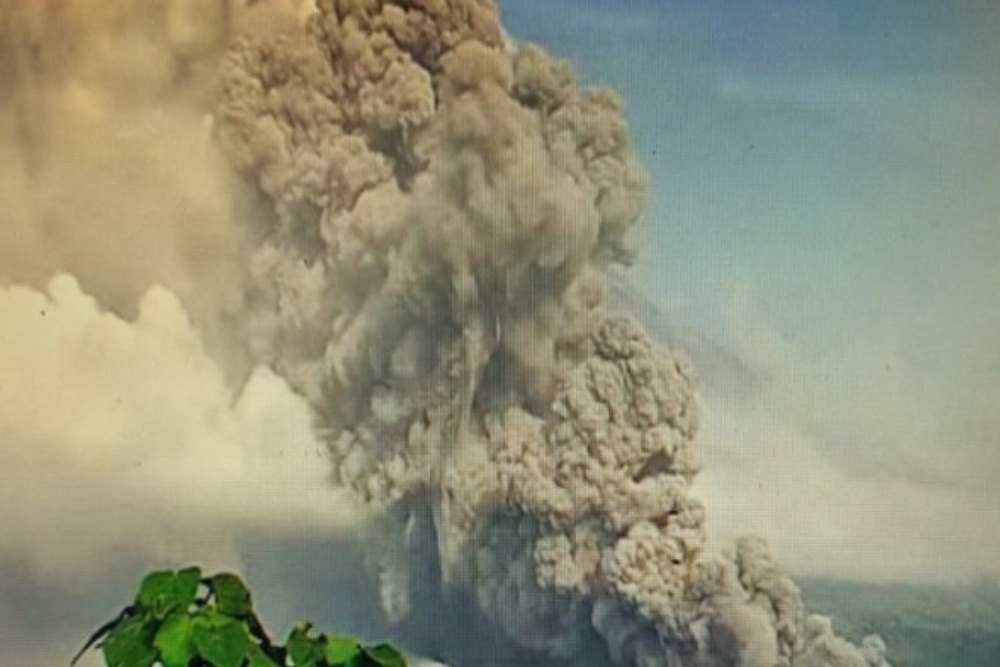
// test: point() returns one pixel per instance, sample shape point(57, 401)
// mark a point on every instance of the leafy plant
point(181, 619)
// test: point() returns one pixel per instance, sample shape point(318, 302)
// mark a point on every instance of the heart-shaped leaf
point(175, 640)
point(165, 591)
point(130, 643)
point(220, 640)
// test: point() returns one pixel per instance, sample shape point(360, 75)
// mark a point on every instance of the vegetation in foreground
point(182, 619)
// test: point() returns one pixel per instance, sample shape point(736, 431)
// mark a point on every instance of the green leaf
point(257, 658)
point(342, 651)
point(385, 655)
point(130, 644)
point(305, 651)
point(166, 591)
point(220, 640)
point(175, 640)
point(231, 595)
point(169, 626)
point(186, 586)
point(156, 592)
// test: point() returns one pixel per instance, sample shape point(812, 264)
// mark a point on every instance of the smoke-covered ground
point(357, 271)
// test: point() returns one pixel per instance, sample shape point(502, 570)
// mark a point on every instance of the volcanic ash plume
point(442, 210)
point(431, 215)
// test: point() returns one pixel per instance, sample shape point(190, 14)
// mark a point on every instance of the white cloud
point(122, 439)
point(859, 464)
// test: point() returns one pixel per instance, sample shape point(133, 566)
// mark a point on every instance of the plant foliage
point(181, 619)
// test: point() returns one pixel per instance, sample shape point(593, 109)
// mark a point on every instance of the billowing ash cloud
point(443, 210)
point(423, 228)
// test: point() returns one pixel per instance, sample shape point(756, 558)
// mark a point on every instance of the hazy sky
point(823, 208)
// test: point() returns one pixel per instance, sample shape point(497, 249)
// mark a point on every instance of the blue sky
point(816, 146)
point(824, 203)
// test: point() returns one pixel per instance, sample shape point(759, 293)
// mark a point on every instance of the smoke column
point(414, 224)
